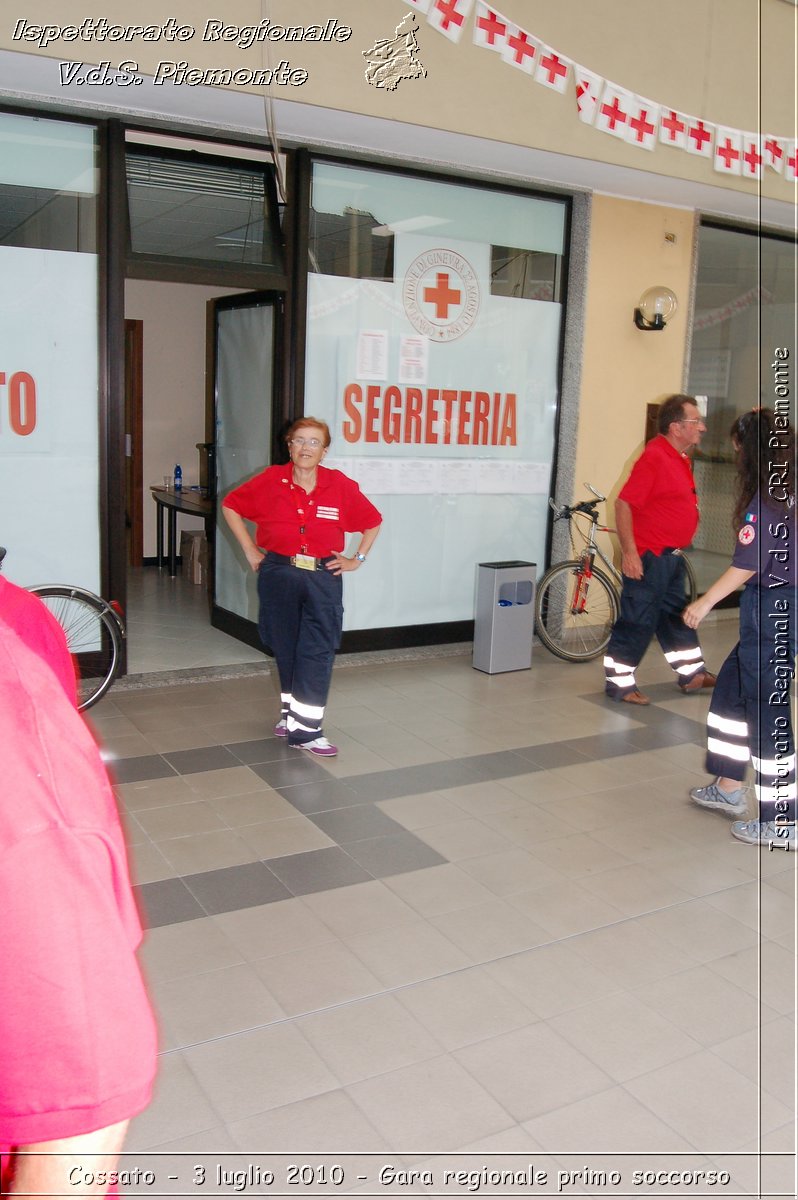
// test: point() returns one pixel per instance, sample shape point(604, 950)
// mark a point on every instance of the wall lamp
point(655, 308)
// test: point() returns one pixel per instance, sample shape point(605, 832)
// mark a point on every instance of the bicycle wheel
point(575, 631)
point(93, 634)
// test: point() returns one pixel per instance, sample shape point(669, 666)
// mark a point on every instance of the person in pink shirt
point(77, 1034)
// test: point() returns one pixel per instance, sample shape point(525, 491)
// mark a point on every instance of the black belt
point(320, 564)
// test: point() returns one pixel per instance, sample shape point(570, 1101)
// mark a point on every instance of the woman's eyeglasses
point(314, 443)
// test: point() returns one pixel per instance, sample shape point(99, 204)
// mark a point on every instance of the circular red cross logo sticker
point(746, 535)
point(440, 294)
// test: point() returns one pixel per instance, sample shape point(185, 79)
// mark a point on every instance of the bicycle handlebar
point(588, 507)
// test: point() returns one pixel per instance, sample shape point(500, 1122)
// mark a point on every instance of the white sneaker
point(281, 728)
point(319, 746)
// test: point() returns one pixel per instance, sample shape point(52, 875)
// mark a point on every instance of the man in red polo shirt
point(657, 515)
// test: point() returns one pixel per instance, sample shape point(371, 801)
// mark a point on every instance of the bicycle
point(576, 603)
point(95, 633)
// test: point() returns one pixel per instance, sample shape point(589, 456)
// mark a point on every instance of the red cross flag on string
point(490, 28)
point(420, 5)
point(449, 17)
point(728, 150)
point(552, 69)
point(588, 87)
point(790, 161)
point(520, 49)
point(773, 152)
point(614, 110)
point(751, 161)
point(699, 137)
point(642, 122)
point(673, 128)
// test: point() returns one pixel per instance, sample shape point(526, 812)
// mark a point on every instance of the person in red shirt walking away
point(302, 512)
point(656, 515)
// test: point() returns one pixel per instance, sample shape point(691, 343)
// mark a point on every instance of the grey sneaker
point(765, 833)
point(732, 804)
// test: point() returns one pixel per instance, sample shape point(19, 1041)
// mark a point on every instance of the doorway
point(169, 370)
point(246, 336)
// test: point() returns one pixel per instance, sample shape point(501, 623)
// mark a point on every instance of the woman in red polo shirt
point(302, 512)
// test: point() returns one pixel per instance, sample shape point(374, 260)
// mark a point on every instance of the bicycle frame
point(591, 548)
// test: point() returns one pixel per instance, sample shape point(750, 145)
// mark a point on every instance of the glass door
point(245, 341)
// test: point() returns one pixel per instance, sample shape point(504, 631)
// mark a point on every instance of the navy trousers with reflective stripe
point(301, 616)
point(652, 605)
point(750, 711)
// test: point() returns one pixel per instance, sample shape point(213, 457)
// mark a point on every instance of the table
point(173, 503)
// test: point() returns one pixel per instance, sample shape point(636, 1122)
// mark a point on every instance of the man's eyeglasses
point(314, 443)
point(691, 421)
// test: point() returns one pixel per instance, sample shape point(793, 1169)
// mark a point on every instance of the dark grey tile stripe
point(370, 845)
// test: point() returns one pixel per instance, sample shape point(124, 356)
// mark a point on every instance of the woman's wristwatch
point(360, 557)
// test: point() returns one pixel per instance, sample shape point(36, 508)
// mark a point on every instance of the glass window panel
point(744, 309)
point(47, 184)
point(433, 335)
point(203, 211)
point(49, 425)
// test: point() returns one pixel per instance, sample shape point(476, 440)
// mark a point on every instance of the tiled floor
point(493, 926)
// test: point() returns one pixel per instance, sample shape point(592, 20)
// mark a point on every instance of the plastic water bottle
point(178, 478)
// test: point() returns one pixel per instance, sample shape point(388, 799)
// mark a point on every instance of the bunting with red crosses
point(614, 110)
point(520, 49)
point(552, 70)
point(449, 17)
point(641, 127)
point(606, 105)
point(588, 88)
point(490, 27)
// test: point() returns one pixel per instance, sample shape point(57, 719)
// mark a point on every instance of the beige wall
point(623, 368)
point(701, 57)
point(173, 382)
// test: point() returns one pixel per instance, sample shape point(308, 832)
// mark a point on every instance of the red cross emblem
point(449, 13)
point(519, 42)
point(641, 126)
point(746, 535)
point(792, 163)
point(752, 158)
point(773, 150)
point(614, 113)
point(553, 67)
point(491, 27)
point(728, 153)
point(442, 296)
point(673, 126)
point(700, 134)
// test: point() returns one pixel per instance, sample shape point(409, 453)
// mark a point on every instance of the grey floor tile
point(409, 781)
point(260, 750)
point(233, 888)
point(322, 796)
point(552, 754)
point(394, 854)
point(318, 870)
point(166, 902)
point(652, 737)
point(356, 824)
point(204, 758)
point(603, 745)
point(293, 770)
point(504, 764)
point(136, 770)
